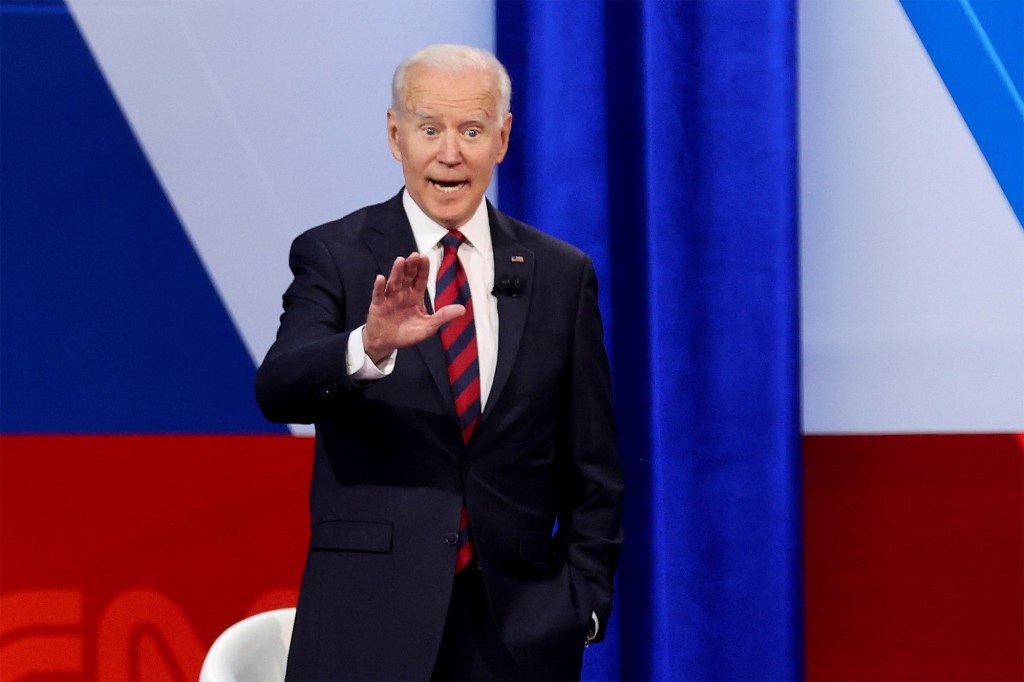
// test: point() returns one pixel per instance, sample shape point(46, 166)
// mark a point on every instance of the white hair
point(453, 58)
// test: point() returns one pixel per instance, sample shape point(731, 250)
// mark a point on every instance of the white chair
point(251, 650)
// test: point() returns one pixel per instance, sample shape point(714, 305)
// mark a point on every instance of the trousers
point(471, 648)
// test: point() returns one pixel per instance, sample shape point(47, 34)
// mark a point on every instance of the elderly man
point(466, 492)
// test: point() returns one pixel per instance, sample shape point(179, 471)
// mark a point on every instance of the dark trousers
point(471, 648)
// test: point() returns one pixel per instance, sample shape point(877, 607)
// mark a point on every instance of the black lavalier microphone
point(508, 286)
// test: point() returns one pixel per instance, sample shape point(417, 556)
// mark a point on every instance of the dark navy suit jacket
point(390, 468)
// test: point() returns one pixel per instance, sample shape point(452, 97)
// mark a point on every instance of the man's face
point(449, 139)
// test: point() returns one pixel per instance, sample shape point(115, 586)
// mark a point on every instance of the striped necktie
point(458, 339)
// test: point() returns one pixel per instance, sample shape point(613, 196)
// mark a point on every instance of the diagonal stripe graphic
point(110, 322)
point(975, 70)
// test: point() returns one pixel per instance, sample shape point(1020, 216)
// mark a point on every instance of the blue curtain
point(660, 137)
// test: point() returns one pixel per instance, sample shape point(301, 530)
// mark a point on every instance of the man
point(463, 412)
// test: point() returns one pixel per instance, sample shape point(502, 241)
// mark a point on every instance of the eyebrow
point(478, 120)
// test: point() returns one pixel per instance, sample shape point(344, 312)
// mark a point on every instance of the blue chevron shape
point(976, 47)
point(110, 323)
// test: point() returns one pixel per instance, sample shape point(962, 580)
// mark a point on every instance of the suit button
point(451, 539)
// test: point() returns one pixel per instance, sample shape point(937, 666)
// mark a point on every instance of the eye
point(473, 133)
point(430, 131)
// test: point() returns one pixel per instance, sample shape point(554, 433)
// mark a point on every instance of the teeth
point(448, 189)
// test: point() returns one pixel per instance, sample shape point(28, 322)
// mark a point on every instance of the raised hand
point(397, 317)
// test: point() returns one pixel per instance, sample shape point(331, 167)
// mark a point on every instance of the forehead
point(433, 91)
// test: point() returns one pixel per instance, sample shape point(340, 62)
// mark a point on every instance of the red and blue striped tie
point(458, 339)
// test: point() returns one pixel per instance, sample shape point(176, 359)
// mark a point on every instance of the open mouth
point(448, 186)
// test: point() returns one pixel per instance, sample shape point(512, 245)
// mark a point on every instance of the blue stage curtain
point(660, 137)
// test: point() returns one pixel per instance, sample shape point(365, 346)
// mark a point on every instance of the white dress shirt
point(477, 257)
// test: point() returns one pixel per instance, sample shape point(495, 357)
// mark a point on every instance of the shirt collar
point(428, 233)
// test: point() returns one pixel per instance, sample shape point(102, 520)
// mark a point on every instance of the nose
point(449, 152)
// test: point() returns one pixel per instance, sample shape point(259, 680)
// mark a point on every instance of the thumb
point(443, 316)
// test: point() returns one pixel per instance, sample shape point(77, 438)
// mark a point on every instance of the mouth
point(448, 186)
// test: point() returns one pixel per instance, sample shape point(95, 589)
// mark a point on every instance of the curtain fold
point(660, 137)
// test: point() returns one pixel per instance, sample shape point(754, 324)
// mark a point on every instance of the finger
point(419, 285)
point(377, 298)
point(396, 276)
point(413, 265)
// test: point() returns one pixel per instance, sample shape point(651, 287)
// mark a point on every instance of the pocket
point(351, 536)
point(582, 599)
point(535, 547)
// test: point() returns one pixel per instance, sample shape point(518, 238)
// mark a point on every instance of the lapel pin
point(518, 259)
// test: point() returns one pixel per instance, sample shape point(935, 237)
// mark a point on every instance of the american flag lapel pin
point(518, 259)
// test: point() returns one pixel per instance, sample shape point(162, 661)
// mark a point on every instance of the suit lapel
point(388, 237)
point(514, 261)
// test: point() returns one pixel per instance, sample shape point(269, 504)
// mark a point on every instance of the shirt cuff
point(596, 628)
point(359, 365)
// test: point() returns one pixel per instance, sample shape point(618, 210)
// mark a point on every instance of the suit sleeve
point(305, 370)
point(591, 525)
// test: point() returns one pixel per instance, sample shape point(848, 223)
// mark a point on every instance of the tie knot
point(452, 240)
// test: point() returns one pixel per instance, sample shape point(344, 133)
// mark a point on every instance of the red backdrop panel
point(914, 557)
point(125, 556)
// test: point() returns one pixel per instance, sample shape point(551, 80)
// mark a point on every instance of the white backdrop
point(912, 261)
point(265, 118)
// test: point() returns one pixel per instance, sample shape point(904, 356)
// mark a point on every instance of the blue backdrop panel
point(110, 323)
point(661, 137)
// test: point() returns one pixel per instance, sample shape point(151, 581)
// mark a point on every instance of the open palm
point(397, 317)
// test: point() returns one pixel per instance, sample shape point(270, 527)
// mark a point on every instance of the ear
point(506, 130)
point(393, 135)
